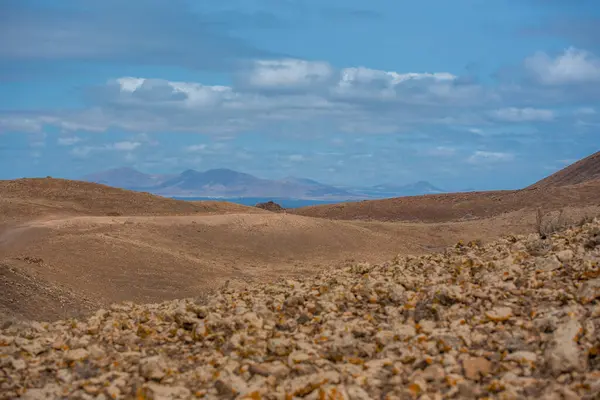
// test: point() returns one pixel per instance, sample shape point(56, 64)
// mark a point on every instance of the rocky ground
point(518, 318)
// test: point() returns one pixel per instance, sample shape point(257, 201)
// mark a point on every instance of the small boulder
point(270, 206)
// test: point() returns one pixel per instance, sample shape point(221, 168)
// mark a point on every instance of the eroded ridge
point(518, 318)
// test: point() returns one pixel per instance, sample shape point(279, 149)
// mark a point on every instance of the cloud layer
point(291, 96)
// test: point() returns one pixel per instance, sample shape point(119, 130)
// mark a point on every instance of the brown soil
point(62, 254)
point(459, 206)
point(36, 197)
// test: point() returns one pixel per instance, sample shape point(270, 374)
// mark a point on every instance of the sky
point(465, 94)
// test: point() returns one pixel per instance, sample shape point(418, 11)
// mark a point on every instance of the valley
point(77, 246)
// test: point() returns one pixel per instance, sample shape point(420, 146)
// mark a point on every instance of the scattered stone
point(280, 347)
point(565, 255)
point(499, 314)
point(476, 367)
point(153, 368)
point(513, 319)
point(589, 291)
point(563, 353)
point(76, 355)
point(434, 373)
point(523, 357)
point(167, 392)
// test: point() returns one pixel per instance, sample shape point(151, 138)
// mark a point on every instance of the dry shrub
point(546, 225)
point(585, 220)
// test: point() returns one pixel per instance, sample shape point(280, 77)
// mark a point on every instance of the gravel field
point(518, 318)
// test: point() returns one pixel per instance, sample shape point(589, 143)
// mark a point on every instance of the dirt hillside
point(575, 186)
point(585, 170)
point(67, 248)
point(515, 319)
point(68, 266)
point(23, 199)
point(459, 206)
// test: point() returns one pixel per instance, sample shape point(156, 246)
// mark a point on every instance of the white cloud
point(287, 73)
point(485, 157)
point(130, 84)
point(293, 97)
point(572, 66)
point(125, 146)
point(364, 82)
point(189, 94)
point(513, 114)
point(321, 97)
point(68, 141)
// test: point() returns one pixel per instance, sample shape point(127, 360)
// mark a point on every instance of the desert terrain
point(467, 295)
point(70, 247)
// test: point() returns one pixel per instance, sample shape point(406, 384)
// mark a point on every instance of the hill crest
point(584, 170)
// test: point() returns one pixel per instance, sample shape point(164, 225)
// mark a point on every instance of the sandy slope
point(68, 247)
point(25, 199)
point(460, 206)
point(58, 267)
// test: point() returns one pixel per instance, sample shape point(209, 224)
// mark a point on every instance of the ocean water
point(252, 201)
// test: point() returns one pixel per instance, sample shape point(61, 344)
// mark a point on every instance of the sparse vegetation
point(547, 224)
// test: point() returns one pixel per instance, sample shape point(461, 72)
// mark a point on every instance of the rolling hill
point(68, 247)
point(35, 197)
point(575, 186)
point(585, 170)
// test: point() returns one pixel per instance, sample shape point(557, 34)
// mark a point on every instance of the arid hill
point(458, 206)
point(585, 170)
point(575, 186)
point(30, 197)
point(68, 247)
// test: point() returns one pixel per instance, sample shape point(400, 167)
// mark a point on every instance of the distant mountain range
point(226, 183)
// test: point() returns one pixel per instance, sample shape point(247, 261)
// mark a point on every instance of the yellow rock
point(499, 314)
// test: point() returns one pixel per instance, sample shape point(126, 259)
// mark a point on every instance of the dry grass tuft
point(548, 224)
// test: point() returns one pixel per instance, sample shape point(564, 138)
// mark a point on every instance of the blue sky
point(465, 93)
